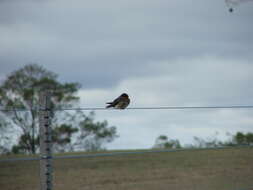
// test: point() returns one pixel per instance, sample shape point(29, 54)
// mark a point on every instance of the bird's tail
point(110, 105)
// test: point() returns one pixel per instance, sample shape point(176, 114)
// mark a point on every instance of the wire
point(136, 108)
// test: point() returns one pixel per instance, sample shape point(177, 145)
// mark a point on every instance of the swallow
point(119, 103)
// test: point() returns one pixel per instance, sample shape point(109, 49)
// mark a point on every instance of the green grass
point(224, 169)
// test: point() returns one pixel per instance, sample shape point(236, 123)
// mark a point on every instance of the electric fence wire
point(133, 108)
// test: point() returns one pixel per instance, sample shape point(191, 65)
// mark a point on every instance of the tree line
point(240, 138)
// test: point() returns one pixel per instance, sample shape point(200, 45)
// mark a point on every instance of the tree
point(249, 138)
point(21, 89)
point(243, 139)
point(92, 134)
point(163, 142)
point(4, 140)
point(82, 132)
point(239, 138)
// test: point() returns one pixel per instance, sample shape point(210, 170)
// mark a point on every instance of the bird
point(231, 10)
point(119, 103)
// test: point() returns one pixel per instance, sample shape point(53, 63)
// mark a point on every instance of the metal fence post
point(45, 142)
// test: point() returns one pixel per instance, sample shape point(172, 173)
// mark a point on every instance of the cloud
point(100, 44)
point(205, 81)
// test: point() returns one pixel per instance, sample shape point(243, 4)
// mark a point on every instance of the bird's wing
point(115, 102)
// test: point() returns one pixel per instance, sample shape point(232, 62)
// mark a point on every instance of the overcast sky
point(160, 52)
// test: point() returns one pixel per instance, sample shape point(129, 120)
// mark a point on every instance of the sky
point(162, 53)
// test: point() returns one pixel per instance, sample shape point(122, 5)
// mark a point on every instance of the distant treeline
point(239, 138)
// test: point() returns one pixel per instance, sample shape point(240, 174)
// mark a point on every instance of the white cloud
point(198, 82)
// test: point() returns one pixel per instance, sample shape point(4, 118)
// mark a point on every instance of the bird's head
point(124, 95)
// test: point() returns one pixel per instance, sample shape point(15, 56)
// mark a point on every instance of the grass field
point(224, 169)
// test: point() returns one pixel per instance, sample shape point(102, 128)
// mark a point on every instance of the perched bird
point(231, 10)
point(119, 103)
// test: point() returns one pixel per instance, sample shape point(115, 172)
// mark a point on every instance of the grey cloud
point(101, 43)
